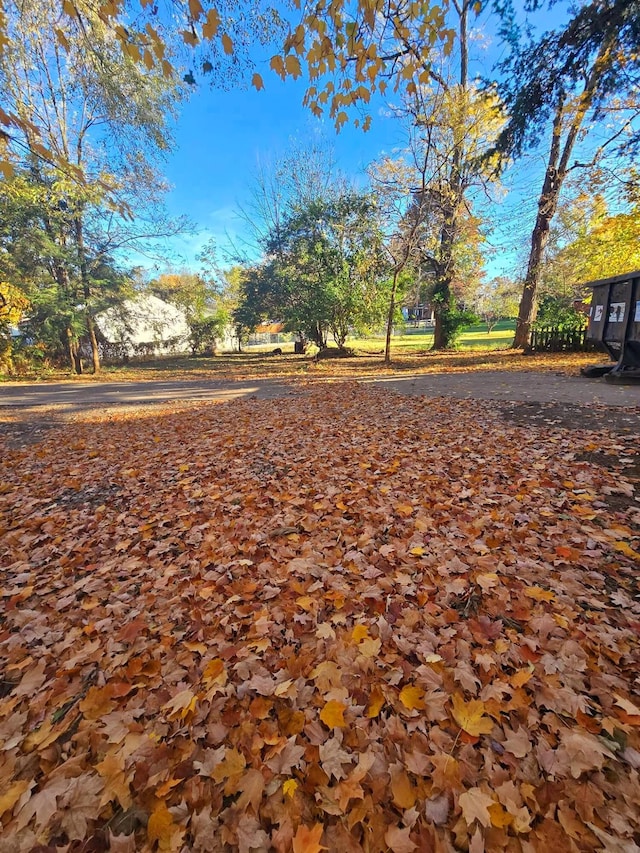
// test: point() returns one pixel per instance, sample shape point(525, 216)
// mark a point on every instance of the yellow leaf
point(470, 716)
point(277, 65)
point(12, 795)
point(627, 550)
point(289, 787)
point(521, 677)
point(180, 705)
point(499, 817)
point(412, 697)
point(417, 552)
point(161, 827)
point(305, 602)
point(360, 632)
point(539, 594)
point(332, 715)
point(210, 26)
point(227, 44)
point(376, 701)
point(404, 509)
point(233, 763)
point(292, 64)
point(404, 795)
point(257, 82)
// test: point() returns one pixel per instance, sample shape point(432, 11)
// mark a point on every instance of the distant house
point(143, 326)
point(267, 333)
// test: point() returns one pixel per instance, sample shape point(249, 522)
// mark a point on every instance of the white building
point(145, 325)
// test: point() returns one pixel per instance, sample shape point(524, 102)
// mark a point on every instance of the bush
point(557, 313)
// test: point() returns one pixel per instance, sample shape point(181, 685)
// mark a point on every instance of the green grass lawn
point(414, 340)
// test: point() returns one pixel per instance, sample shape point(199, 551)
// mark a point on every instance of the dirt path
point(543, 398)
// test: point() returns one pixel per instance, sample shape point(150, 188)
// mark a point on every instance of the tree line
point(86, 93)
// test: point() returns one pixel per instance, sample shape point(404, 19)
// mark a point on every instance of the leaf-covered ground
point(257, 365)
point(350, 620)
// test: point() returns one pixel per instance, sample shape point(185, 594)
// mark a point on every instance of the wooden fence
point(560, 340)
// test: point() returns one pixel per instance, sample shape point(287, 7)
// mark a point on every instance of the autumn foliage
point(348, 620)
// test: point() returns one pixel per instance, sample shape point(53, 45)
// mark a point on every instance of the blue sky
point(222, 136)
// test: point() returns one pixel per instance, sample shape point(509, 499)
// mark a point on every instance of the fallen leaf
point(470, 716)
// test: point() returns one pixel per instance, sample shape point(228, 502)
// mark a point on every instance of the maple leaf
point(11, 796)
point(80, 804)
point(116, 784)
point(181, 705)
point(580, 751)
point(412, 697)
point(161, 827)
point(397, 839)
point(475, 805)
point(404, 795)
point(307, 839)
point(332, 715)
point(250, 835)
point(232, 764)
point(289, 787)
point(539, 594)
point(470, 716)
point(333, 757)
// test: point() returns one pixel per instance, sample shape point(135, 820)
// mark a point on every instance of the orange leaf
point(539, 594)
point(227, 44)
point(404, 795)
point(499, 817)
point(308, 840)
point(332, 715)
point(12, 794)
point(376, 701)
point(412, 697)
point(161, 827)
point(521, 677)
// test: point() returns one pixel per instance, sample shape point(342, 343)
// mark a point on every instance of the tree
point(497, 300)
point(570, 78)
point(593, 241)
point(96, 111)
point(322, 273)
point(452, 125)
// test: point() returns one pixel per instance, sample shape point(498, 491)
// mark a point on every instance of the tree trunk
point(75, 360)
point(450, 227)
point(392, 311)
point(441, 308)
point(95, 350)
point(547, 206)
point(529, 299)
point(86, 289)
point(555, 174)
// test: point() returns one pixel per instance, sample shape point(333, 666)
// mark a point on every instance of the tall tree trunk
point(86, 289)
point(442, 306)
point(547, 206)
point(556, 172)
point(75, 359)
point(392, 311)
point(95, 349)
point(450, 226)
